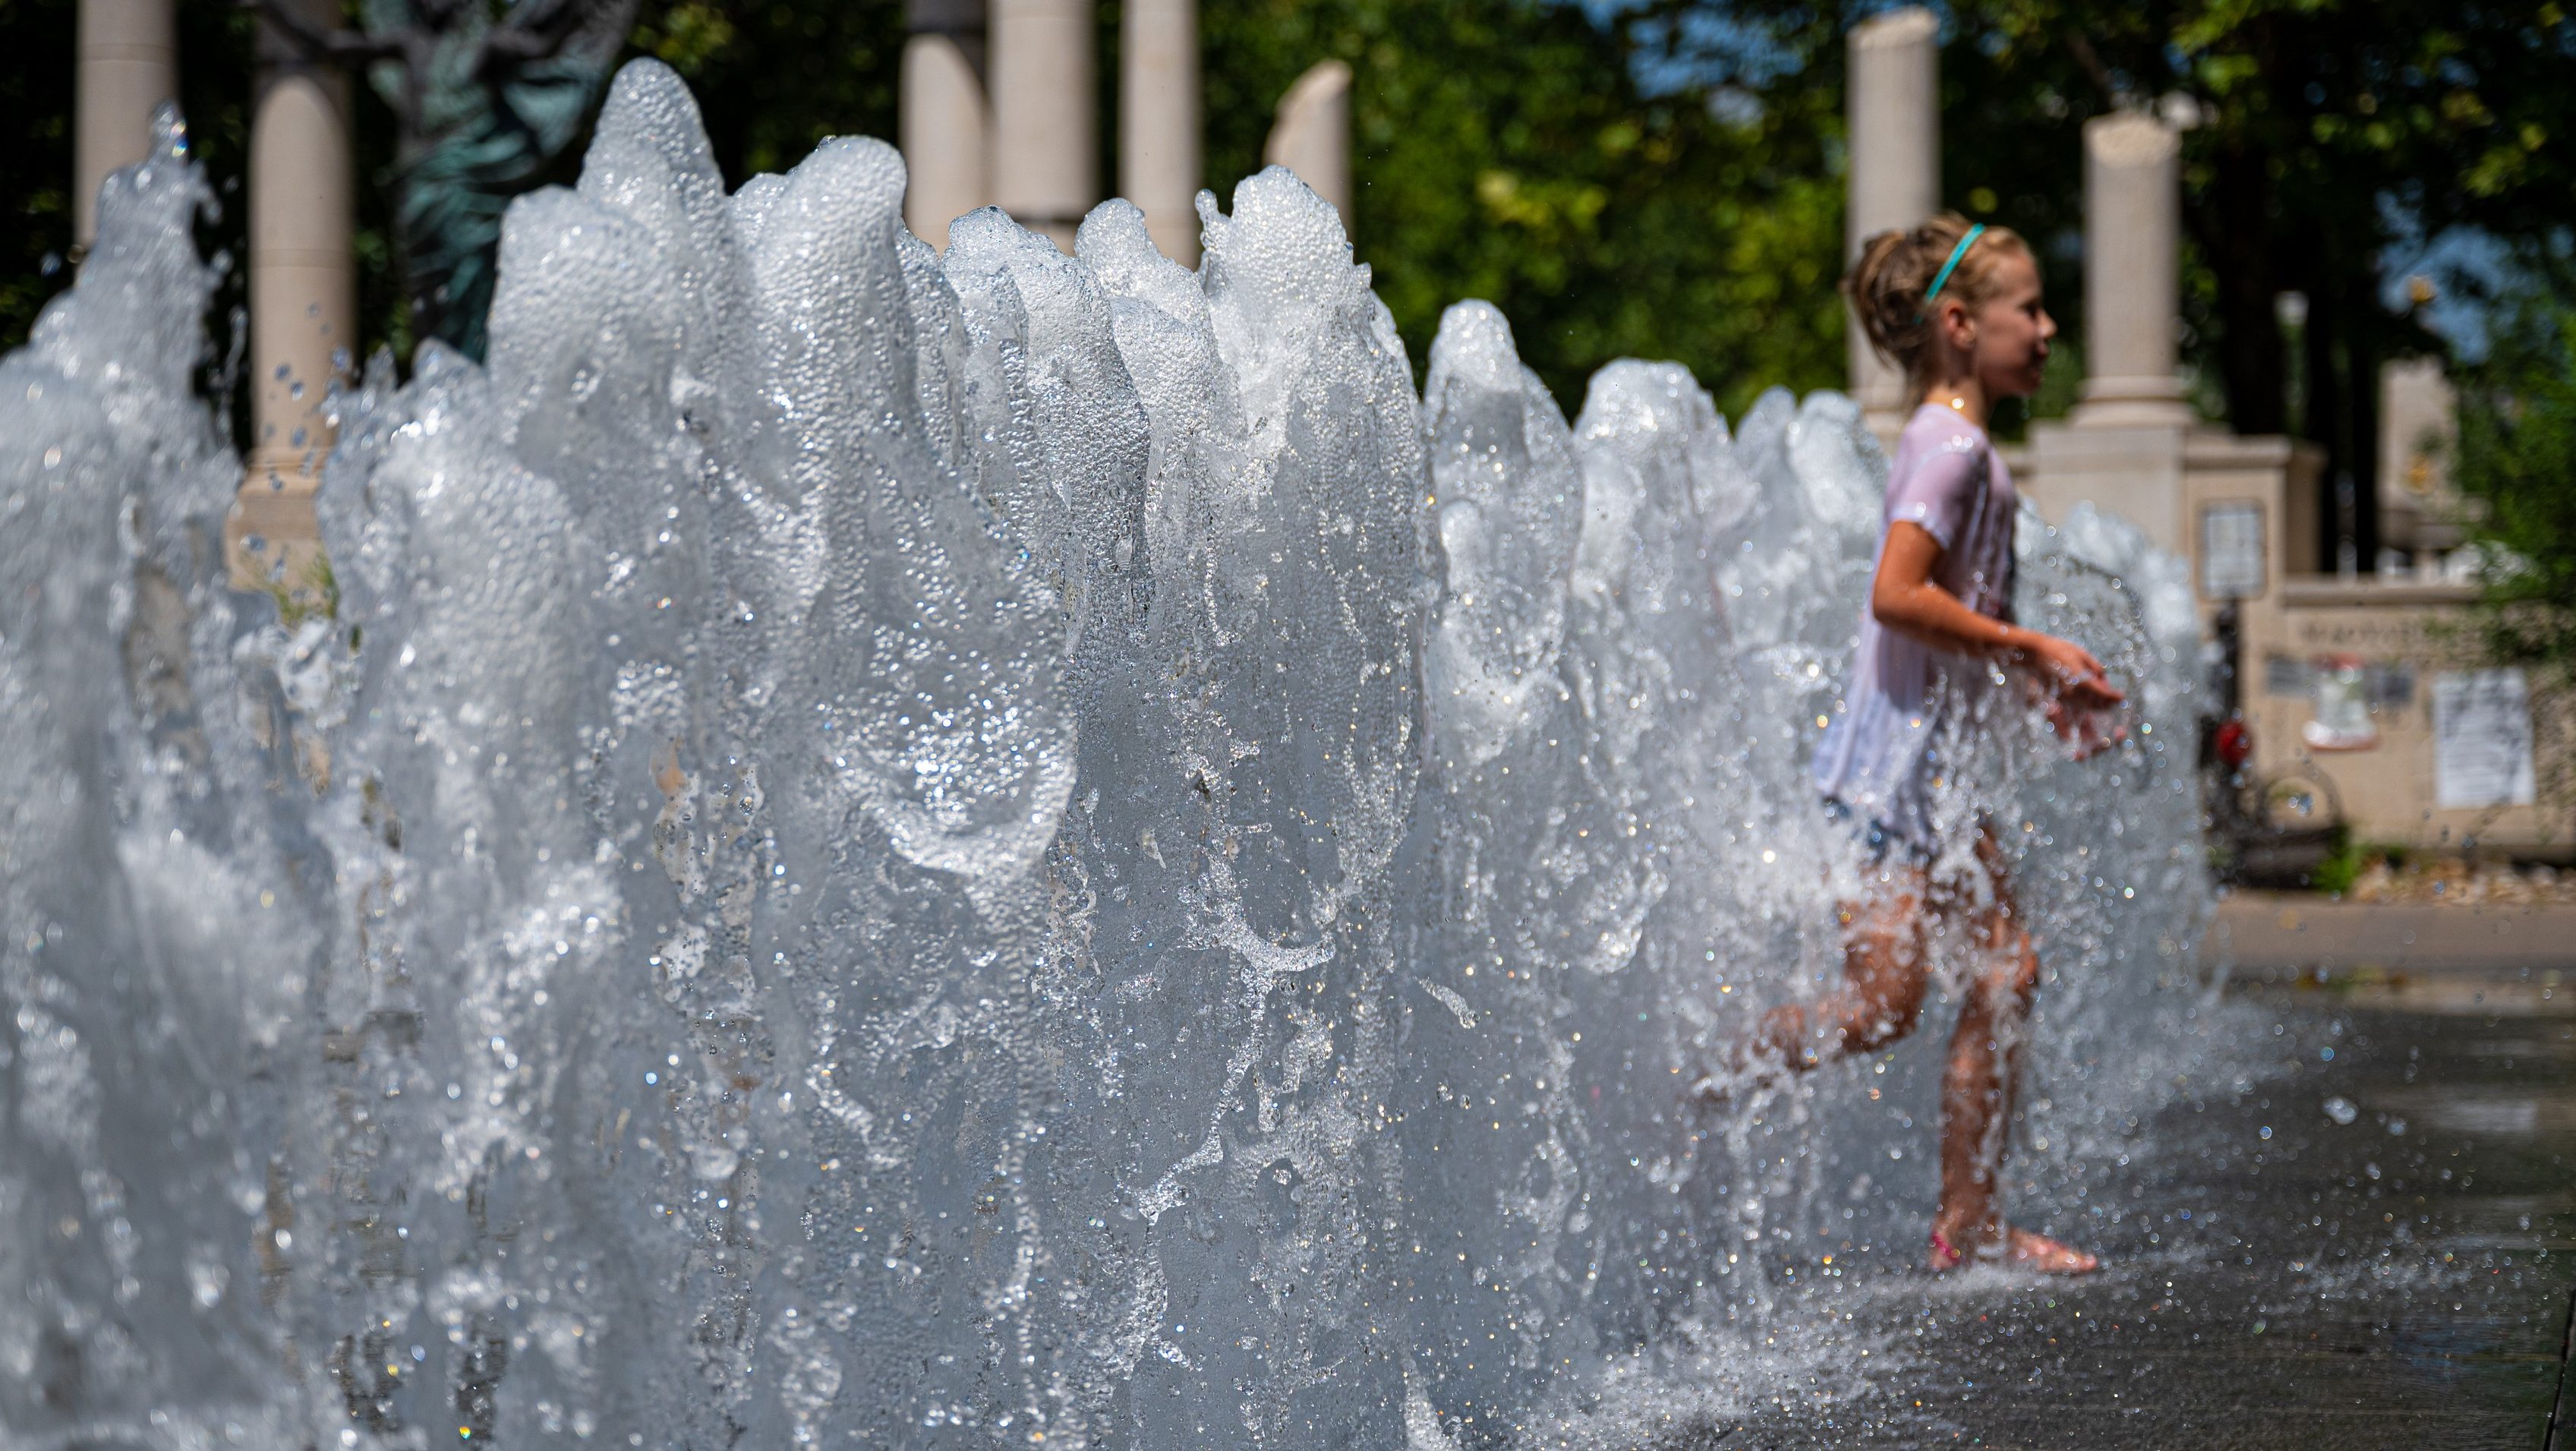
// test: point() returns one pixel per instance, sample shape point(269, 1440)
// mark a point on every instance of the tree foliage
point(1506, 151)
point(2517, 458)
point(773, 80)
point(35, 161)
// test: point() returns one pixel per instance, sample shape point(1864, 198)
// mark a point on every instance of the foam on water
point(876, 848)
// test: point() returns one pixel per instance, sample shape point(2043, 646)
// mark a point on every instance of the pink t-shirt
point(1878, 754)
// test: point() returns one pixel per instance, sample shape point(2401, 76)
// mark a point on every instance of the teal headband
point(1948, 267)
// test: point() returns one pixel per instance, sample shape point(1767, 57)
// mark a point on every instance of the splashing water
point(886, 849)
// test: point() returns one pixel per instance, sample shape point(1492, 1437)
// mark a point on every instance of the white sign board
point(2481, 739)
point(2231, 551)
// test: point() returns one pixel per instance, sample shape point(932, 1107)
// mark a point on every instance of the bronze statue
point(485, 95)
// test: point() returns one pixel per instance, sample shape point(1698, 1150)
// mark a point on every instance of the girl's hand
point(2071, 673)
point(1904, 597)
point(2079, 695)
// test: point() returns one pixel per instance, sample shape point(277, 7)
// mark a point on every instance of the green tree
point(1507, 151)
point(2517, 459)
point(773, 80)
point(35, 161)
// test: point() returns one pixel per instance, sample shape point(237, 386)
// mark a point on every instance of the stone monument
point(2132, 273)
point(2343, 677)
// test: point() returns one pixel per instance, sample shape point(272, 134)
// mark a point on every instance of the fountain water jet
point(883, 849)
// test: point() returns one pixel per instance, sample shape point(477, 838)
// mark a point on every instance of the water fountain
point(863, 847)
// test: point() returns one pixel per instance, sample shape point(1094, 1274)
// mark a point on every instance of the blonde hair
point(1895, 269)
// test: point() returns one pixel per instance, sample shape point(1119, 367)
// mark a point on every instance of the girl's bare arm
point(1904, 597)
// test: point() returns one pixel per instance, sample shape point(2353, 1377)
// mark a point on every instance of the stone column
point(1312, 136)
point(947, 129)
point(1158, 121)
point(2132, 272)
point(1893, 109)
point(2129, 447)
point(1046, 146)
point(303, 302)
point(127, 65)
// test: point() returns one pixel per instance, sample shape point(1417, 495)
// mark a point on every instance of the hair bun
point(1887, 284)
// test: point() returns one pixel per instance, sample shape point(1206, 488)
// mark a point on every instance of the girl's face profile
point(2013, 327)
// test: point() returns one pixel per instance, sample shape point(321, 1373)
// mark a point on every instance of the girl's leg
point(1977, 1091)
point(1883, 982)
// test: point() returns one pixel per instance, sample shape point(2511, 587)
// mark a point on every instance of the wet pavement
point(2281, 931)
point(2374, 1248)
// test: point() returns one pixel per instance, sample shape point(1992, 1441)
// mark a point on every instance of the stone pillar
point(2132, 273)
point(1046, 146)
point(1893, 107)
point(127, 65)
point(303, 303)
point(1312, 136)
point(1158, 121)
point(947, 129)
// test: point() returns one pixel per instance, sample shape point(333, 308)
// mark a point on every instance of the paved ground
point(2269, 931)
point(2373, 1251)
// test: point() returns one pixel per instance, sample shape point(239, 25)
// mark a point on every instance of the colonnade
point(1000, 101)
point(302, 275)
point(999, 106)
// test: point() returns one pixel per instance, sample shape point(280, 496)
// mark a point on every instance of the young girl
point(1958, 307)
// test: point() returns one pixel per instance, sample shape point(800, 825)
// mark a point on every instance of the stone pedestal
point(2165, 478)
point(1312, 136)
point(128, 64)
point(303, 309)
point(1893, 108)
point(1158, 121)
point(2132, 274)
point(1046, 163)
point(2134, 472)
